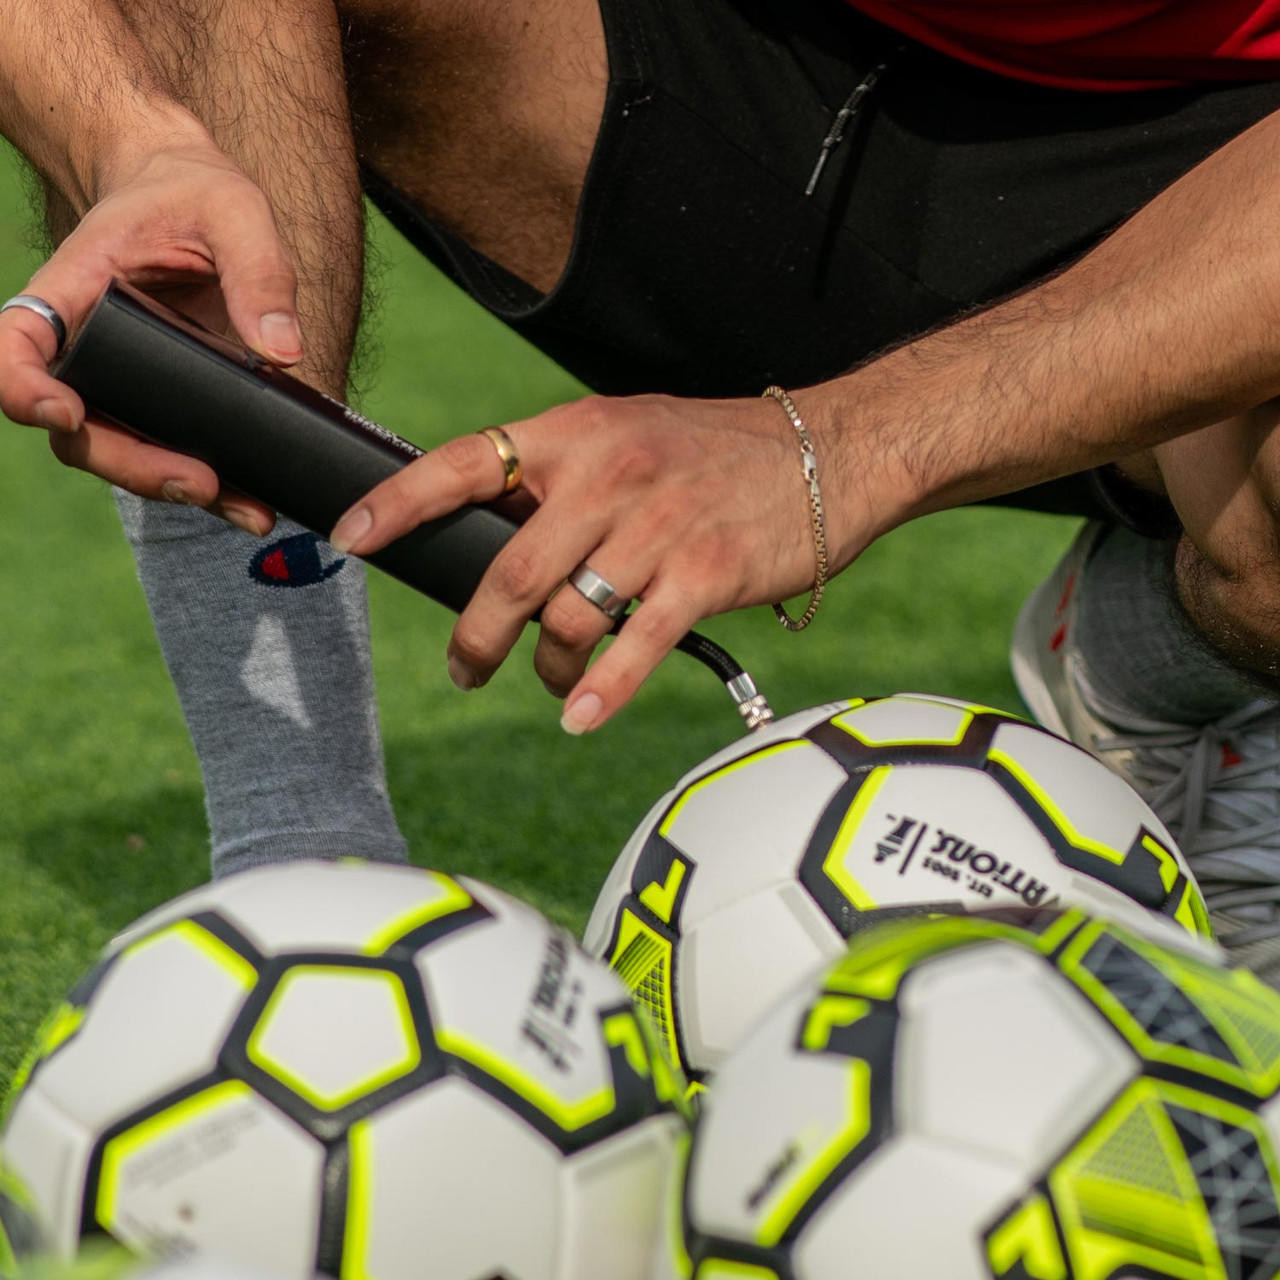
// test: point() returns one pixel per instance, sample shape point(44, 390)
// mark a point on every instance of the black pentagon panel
point(323, 1123)
point(857, 756)
point(1236, 1178)
point(1154, 1001)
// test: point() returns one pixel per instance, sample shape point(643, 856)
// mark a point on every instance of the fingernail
point(281, 336)
point(460, 674)
point(53, 415)
point(351, 528)
point(172, 491)
point(581, 714)
point(243, 520)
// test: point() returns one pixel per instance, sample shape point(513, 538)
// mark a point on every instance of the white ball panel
point(613, 1196)
point(914, 1209)
point(737, 962)
point(749, 827)
point(202, 898)
point(330, 906)
point(906, 719)
point(997, 1054)
point(481, 1203)
point(618, 885)
point(236, 1179)
point(157, 1021)
point(768, 1107)
point(939, 833)
point(334, 1033)
point(50, 1153)
point(307, 905)
point(514, 985)
point(1098, 803)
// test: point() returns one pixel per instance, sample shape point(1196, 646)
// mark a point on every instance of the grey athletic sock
point(267, 642)
point(1138, 646)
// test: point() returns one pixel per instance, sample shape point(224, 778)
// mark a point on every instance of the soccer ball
point(355, 1069)
point(963, 1098)
point(762, 860)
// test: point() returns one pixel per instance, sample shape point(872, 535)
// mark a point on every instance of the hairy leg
point(266, 79)
point(275, 681)
point(485, 113)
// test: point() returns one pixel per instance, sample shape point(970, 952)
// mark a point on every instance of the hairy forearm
point(1171, 323)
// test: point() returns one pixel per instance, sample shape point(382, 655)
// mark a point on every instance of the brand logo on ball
point(959, 860)
point(293, 562)
point(554, 1006)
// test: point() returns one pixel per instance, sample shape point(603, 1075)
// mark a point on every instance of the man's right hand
point(183, 223)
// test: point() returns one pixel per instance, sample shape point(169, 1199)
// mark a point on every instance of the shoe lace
point(1217, 788)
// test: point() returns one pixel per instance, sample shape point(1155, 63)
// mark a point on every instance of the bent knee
point(1237, 579)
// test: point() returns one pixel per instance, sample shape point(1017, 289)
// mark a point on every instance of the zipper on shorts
point(841, 122)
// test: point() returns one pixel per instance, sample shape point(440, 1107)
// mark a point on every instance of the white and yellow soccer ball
point(357, 1070)
point(965, 1098)
point(762, 860)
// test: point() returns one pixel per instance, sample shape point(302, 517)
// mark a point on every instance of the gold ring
point(507, 452)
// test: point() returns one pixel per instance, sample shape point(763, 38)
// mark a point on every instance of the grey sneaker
point(1215, 786)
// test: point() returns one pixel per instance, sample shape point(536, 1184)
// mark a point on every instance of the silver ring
point(587, 582)
point(29, 302)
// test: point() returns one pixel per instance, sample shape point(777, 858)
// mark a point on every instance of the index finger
point(29, 394)
point(467, 469)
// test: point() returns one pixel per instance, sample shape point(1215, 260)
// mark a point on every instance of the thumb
point(259, 284)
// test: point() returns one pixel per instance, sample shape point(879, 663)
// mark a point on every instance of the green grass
point(100, 801)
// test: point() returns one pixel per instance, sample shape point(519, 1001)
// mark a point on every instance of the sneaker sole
point(1039, 675)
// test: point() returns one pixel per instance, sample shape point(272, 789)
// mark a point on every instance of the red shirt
point(1098, 44)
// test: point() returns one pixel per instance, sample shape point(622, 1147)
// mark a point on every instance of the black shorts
point(701, 267)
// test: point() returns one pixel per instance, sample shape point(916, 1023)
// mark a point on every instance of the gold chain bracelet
point(809, 462)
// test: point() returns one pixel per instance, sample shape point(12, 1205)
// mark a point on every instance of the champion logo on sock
point(1230, 757)
point(293, 562)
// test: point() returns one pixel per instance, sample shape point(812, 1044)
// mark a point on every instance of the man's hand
point(691, 507)
point(187, 226)
point(203, 158)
